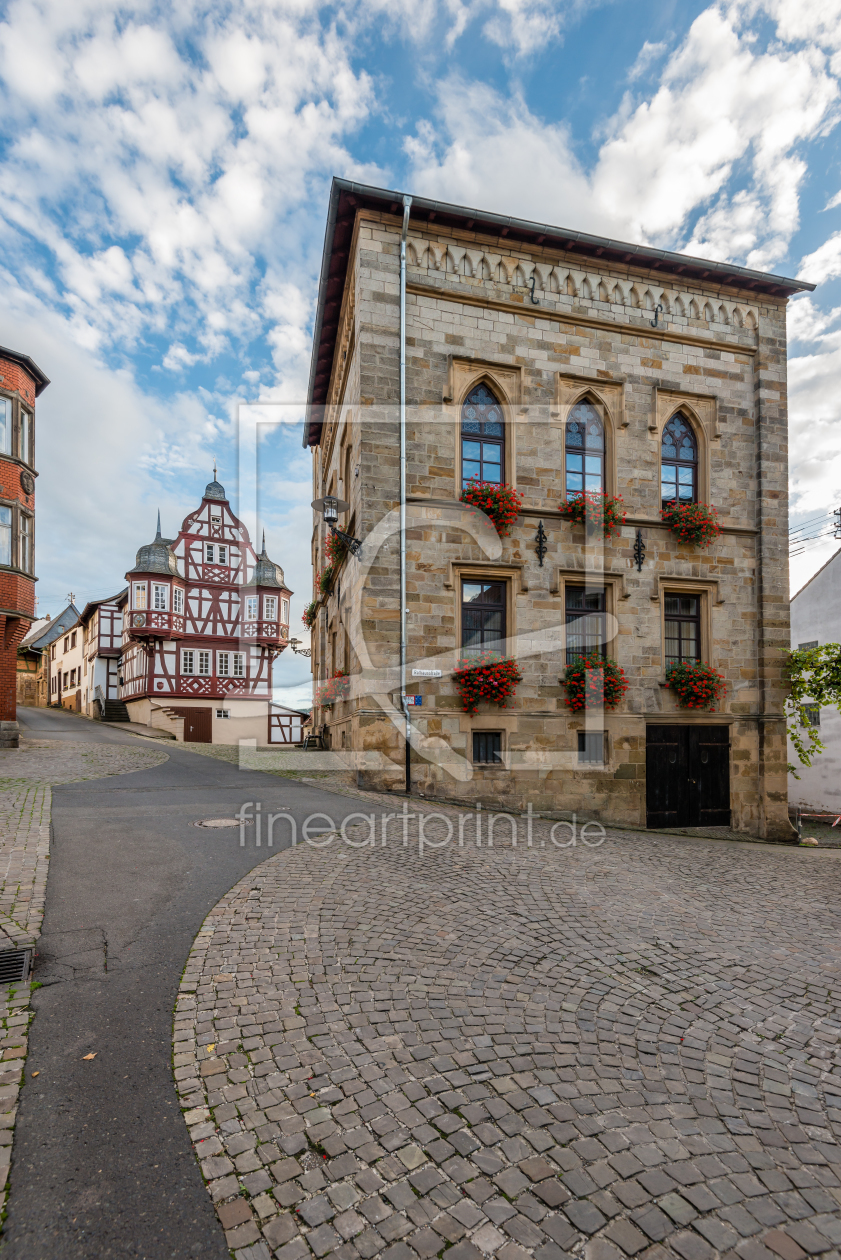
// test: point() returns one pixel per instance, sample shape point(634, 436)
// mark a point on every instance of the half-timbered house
point(205, 618)
point(102, 622)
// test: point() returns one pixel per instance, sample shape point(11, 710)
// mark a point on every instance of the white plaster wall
point(816, 614)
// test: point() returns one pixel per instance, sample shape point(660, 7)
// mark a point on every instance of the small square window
point(487, 748)
point(223, 713)
point(591, 748)
point(810, 715)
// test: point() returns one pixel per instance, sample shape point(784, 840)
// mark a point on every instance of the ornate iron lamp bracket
point(639, 551)
point(542, 547)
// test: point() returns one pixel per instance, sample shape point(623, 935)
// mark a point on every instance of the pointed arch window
point(585, 447)
point(678, 462)
point(482, 438)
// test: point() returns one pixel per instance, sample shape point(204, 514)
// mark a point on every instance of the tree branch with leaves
point(814, 677)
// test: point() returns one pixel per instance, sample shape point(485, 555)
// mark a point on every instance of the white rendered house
point(815, 620)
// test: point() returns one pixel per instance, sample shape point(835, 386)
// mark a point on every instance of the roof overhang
point(347, 198)
point(41, 381)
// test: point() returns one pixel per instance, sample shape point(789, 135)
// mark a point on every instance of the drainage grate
point(217, 822)
point(14, 965)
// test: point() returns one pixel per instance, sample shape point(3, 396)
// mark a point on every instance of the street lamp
point(330, 507)
point(293, 643)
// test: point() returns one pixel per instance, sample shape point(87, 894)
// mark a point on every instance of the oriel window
point(25, 542)
point(585, 622)
point(584, 453)
point(5, 535)
point(482, 617)
point(25, 441)
point(678, 462)
point(5, 430)
point(482, 438)
point(683, 628)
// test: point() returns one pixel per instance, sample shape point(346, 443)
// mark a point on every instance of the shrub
point(692, 522)
point(696, 685)
point(500, 503)
point(488, 679)
point(594, 681)
point(598, 510)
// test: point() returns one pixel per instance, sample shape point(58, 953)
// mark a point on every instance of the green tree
point(814, 676)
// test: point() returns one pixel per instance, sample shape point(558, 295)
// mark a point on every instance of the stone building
point(21, 382)
point(551, 361)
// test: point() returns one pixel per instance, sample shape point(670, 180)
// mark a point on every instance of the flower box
point(695, 523)
point(487, 679)
point(594, 682)
point(309, 614)
point(336, 688)
point(596, 511)
point(696, 685)
point(500, 502)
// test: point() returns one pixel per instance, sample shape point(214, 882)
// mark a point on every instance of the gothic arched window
point(678, 462)
point(584, 450)
point(482, 438)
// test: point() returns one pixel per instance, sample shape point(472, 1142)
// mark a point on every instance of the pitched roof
point(834, 556)
point(346, 197)
point(92, 605)
point(57, 627)
point(41, 381)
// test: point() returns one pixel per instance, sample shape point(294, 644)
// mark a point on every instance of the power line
point(816, 520)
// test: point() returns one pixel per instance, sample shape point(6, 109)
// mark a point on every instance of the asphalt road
point(102, 1163)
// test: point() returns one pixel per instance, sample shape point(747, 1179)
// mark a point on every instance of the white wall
point(816, 615)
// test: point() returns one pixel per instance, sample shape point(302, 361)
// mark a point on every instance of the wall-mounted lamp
point(330, 507)
point(293, 643)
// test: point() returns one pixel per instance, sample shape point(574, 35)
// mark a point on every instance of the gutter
point(407, 202)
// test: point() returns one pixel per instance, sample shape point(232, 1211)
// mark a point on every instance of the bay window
point(270, 608)
point(251, 608)
point(178, 599)
point(139, 595)
point(5, 535)
point(25, 543)
point(159, 597)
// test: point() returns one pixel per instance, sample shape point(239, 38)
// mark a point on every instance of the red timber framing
point(185, 635)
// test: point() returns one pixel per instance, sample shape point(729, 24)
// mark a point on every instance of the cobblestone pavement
point(628, 1050)
point(25, 797)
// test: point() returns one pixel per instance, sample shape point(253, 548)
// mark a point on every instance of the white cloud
point(720, 103)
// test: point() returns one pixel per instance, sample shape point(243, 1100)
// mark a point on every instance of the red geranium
point(692, 522)
point(594, 682)
point(696, 685)
point(594, 508)
point(500, 502)
point(487, 678)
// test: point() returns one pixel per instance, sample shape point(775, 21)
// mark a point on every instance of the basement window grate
point(14, 965)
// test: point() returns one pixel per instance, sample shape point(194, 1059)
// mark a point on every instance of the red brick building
point(21, 381)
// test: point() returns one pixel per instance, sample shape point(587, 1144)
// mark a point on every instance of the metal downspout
point(407, 202)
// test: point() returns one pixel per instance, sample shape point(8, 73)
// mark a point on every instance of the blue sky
point(165, 176)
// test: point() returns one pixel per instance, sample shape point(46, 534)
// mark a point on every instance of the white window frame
point(223, 713)
point(209, 552)
point(284, 611)
point(178, 599)
point(203, 670)
point(160, 592)
point(251, 608)
point(223, 664)
point(223, 554)
point(139, 596)
point(188, 661)
point(270, 608)
point(238, 665)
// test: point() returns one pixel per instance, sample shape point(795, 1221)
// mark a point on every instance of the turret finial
point(159, 524)
point(264, 542)
point(214, 470)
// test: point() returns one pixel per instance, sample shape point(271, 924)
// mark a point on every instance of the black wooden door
point(666, 776)
point(709, 771)
point(687, 776)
